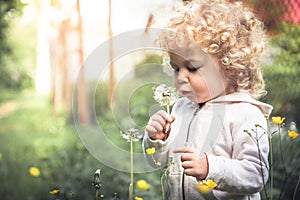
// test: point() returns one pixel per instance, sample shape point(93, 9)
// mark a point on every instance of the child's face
point(197, 75)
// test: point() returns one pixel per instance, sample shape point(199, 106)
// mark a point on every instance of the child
point(214, 48)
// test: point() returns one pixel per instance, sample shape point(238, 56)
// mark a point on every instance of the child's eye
point(176, 69)
point(193, 69)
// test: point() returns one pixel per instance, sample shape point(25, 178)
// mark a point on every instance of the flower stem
point(162, 187)
point(261, 166)
point(131, 171)
point(296, 188)
point(168, 109)
point(271, 167)
point(283, 164)
point(97, 194)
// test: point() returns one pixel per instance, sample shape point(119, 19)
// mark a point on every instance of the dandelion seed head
point(132, 135)
point(165, 95)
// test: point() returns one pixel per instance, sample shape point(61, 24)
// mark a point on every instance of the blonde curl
point(229, 31)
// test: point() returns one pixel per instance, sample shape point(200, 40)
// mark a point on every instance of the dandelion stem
point(261, 166)
point(97, 194)
point(283, 164)
point(162, 187)
point(271, 167)
point(131, 171)
point(162, 181)
point(281, 153)
point(168, 109)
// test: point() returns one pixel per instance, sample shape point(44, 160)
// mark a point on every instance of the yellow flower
point(142, 185)
point(206, 186)
point(293, 134)
point(54, 191)
point(138, 198)
point(204, 189)
point(210, 183)
point(34, 171)
point(150, 151)
point(278, 120)
point(266, 116)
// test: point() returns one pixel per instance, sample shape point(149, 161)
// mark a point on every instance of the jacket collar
point(243, 97)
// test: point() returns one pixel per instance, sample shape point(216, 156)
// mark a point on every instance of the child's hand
point(159, 125)
point(193, 164)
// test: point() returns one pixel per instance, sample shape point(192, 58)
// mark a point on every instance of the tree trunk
point(83, 108)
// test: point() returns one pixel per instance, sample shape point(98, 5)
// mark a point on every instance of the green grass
point(32, 136)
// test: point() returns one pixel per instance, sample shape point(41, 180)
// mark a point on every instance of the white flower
point(97, 181)
point(165, 95)
point(132, 134)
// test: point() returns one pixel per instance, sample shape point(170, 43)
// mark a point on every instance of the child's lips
point(186, 93)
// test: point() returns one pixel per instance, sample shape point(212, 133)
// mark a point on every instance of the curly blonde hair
point(229, 31)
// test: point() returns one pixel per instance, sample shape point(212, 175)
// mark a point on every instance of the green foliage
point(31, 136)
point(133, 98)
point(16, 54)
point(286, 166)
point(282, 75)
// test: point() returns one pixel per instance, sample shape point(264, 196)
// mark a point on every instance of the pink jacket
point(217, 129)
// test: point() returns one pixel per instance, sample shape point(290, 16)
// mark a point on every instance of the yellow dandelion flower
point(210, 183)
point(138, 198)
point(206, 186)
point(293, 134)
point(54, 191)
point(34, 171)
point(204, 189)
point(102, 196)
point(150, 151)
point(142, 185)
point(278, 120)
point(266, 116)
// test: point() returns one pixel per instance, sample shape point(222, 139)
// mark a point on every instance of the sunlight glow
point(94, 15)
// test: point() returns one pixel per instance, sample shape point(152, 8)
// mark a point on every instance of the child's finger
point(183, 150)
point(167, 117)
point(157, 119)
point(158, 126)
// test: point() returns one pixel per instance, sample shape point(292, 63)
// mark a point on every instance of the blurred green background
point(37, 130)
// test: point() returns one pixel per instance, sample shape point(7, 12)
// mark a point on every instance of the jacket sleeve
point(161, 147)
point(246, 170)
point(160, 155)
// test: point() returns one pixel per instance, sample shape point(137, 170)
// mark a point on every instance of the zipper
point(186, 140)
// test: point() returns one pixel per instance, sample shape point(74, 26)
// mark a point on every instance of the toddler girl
point(214, 48)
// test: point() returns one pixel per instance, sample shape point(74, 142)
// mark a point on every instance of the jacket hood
point(243, 97)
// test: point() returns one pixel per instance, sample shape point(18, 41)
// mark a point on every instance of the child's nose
point(183, 76)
